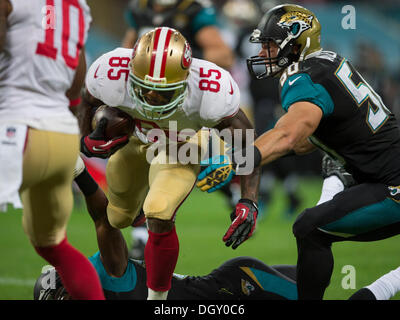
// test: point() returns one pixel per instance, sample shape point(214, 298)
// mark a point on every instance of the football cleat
point(332, 167)
point(50, 288)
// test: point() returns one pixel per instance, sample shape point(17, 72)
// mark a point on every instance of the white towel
point(12, 141)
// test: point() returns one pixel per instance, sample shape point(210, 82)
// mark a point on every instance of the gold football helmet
point(288, 26)
point(158, 71)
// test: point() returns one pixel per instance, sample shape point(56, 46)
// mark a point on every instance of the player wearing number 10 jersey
point(158, 84)
point(42, 70)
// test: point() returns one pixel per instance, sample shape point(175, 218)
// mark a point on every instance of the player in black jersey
point(241, 278)
point(124, 278)
point(328, 103)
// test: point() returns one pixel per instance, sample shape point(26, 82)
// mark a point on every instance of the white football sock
point(386, 286)
point(330, 187)
point(157, 295)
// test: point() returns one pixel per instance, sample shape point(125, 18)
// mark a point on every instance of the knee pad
point(118, 218)
point(304, 224)
point(159, 206)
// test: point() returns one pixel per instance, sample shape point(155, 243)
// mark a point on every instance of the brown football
point(119, 122)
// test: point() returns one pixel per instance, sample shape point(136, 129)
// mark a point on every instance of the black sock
point(314, 266)
point(363, 294)
point(86, 183)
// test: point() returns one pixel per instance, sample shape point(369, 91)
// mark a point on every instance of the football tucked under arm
point(111, 131)
point(119, 123)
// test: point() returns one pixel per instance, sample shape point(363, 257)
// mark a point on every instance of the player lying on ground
point(239, 278)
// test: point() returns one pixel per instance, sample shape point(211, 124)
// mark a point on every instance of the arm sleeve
point(300, 87)
point(217, 106)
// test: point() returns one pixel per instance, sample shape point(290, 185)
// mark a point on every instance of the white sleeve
point(99, 83)
point(88, 17)
point(225, 105)
point(221, 97)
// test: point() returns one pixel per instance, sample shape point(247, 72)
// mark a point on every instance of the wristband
point(74, 103)
point(256, 157)
point(86, 183)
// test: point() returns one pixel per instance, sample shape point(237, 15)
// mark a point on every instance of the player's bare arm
point(5, 10)
point(74, 93)
point(130, 38)
point(249, 183)
point(301, 120)
point(112, 245)
point(214, 47)
point(304, 147)
point(85, 111)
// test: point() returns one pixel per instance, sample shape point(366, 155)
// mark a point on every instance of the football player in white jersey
point(42, 69)
point(162, 87)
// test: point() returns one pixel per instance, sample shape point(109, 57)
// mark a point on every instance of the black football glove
point(96, 144)
point(243, 223)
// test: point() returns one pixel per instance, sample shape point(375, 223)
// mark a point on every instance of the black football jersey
point(356, 128)
point(241, 278)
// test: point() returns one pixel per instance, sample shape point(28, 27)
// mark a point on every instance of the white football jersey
point(212, 94)
point(39, 61)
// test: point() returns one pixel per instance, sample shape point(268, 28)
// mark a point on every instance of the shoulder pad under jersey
point(107, 76)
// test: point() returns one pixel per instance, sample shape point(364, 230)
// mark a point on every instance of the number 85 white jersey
point(39, 60)
point(212, 94)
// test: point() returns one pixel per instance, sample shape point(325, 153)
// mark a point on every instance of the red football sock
point(78, 275)
point(161, 255)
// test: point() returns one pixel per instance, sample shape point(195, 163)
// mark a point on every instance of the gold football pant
point(159, 187)
point(46, 192)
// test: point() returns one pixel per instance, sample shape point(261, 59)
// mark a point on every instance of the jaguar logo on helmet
point(293, 30)
point(187, 56)
point(296, 22)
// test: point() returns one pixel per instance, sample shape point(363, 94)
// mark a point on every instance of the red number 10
point(47, 48)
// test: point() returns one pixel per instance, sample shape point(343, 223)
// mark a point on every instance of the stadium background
point(373, 46)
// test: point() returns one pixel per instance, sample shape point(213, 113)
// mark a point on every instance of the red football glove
point(96, 145)
point(243, 223)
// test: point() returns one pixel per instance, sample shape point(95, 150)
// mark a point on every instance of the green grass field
point(201, 223)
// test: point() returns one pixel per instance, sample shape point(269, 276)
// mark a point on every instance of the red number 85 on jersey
point(209, 84)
